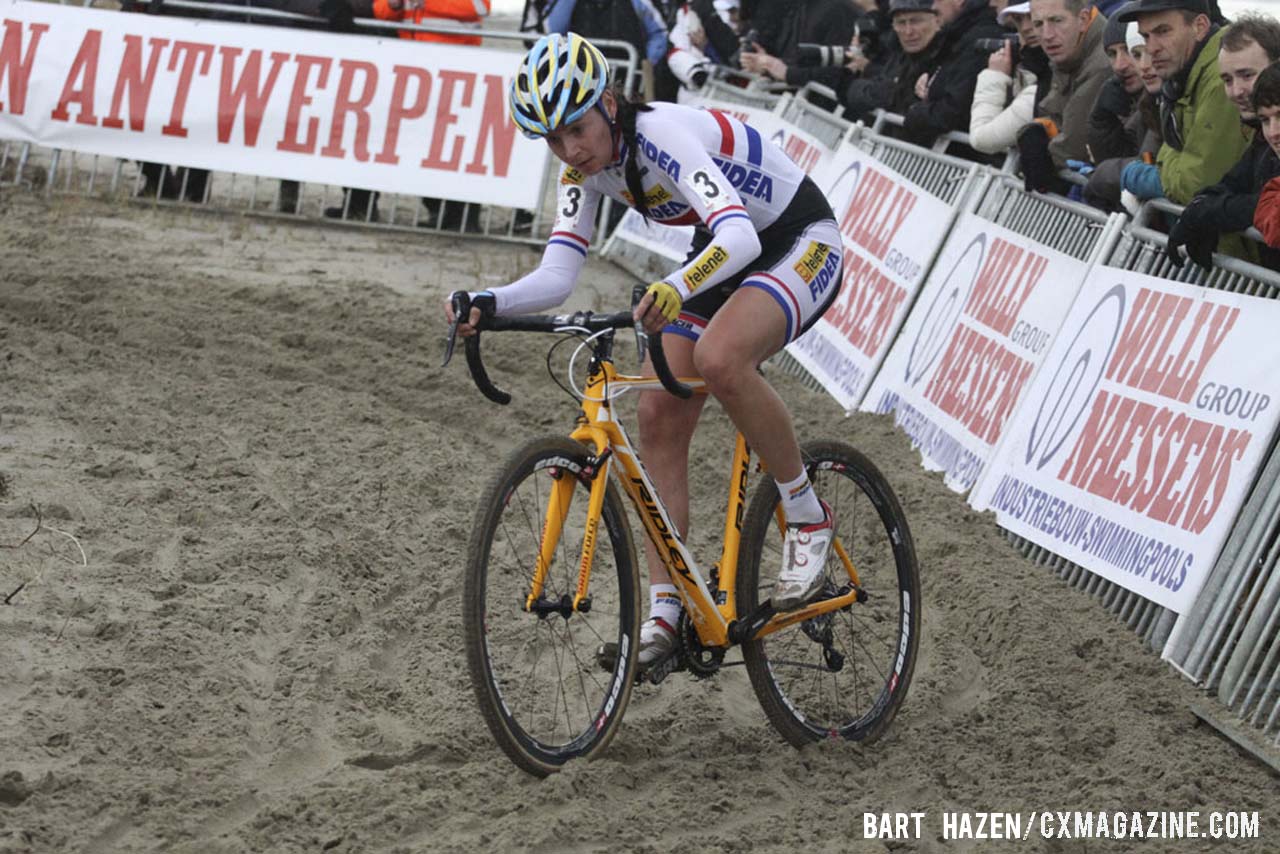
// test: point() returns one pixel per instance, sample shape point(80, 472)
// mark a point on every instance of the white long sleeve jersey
point(699, 167)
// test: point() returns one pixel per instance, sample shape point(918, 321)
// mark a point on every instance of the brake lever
point(642, 337)
point(461, 303)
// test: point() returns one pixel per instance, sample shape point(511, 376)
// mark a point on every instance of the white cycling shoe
point(804, 554)
point(657, 640)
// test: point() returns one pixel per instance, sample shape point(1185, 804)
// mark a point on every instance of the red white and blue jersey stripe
point(698, 167)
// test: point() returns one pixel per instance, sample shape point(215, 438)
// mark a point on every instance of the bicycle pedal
point(658, 670)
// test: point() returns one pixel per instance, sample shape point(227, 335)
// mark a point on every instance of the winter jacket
point(1115, 125)
point(890, 84)
point(954, 75)
point(1195, 105)
point(1266, 217)
point(448, 12)
point(1072, 93)
point(639, 22)
point(1001, 106)
point(1229, 204)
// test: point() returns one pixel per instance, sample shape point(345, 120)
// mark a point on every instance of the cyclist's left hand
point(660, 306)
point(482, 303)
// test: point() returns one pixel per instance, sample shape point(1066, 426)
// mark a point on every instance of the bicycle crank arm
point(746, 629)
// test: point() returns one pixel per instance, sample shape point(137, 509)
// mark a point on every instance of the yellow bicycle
point(552, 598)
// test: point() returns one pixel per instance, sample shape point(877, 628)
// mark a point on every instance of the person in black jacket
point(1115, 127)
point(890, 84)
point(824, 22)
point(1249, 46)
point(946, 92)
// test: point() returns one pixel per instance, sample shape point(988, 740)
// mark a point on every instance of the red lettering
point(876, 212)
point(1137, 455)
point(195, 52)
point(867, 304)
point(401, 110)
point(246, 91)
point(496, 127)
point(84, 70)
point(14, 65)
point(299, 99)
point(445, 117)
point(999, 294)
point(1214, 471)
point(137, 82)
point(978, 382)
point(1147, 355)
point(359, 107)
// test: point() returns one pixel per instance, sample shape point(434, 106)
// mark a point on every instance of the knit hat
point(1114, 32)
point(896, 6)
point(1133, 38)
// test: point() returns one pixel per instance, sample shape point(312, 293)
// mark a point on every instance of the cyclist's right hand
point(482, 304)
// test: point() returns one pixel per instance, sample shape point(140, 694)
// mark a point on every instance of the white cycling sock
point(799, 501)
point(664, 603)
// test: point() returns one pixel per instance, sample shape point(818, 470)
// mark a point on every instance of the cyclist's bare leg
point(748, 329)
point(666, 428)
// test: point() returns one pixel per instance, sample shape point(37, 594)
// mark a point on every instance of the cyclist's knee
point(725, 372)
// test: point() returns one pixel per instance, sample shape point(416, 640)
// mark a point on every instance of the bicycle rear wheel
point(542, 691)
point(845, 673)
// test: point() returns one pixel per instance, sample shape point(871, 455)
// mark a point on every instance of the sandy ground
point(244, 426)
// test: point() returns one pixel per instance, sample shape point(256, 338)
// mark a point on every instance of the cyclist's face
point(587, 144)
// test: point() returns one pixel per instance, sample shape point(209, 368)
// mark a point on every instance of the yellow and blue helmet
point(560, 78)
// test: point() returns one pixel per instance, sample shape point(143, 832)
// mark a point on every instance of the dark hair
point(1263, 30)
point(626, 120)
point(1266, 89)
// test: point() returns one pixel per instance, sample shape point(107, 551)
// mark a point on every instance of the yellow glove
point(667, 299)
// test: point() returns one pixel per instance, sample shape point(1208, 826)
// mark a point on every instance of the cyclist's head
point(559, 80)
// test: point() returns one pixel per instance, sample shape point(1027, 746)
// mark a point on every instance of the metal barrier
point(1072, 228)
point(1229, 642)
point(827, 126)
point(949, 178)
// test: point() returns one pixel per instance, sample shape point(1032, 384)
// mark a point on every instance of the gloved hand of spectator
point(1033, 149)
point(339, 14)
point(1193, 232)
point(1080, 166)
point(1142, 179)
point(1114, 99)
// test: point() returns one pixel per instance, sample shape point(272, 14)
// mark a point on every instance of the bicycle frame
point(713, 616)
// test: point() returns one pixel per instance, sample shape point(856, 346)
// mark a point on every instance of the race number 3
point(573, 202)
point(704, 186)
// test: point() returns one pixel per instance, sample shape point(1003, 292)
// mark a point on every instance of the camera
point(749, 43)
point(993, 45)
point(824, 55)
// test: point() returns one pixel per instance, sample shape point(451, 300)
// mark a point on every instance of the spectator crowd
point(1108, 103)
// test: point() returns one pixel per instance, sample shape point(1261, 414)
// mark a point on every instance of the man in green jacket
point(1202, 136)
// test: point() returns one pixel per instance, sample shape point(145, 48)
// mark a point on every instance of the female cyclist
point(765, 265)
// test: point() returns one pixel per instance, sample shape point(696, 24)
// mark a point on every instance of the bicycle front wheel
point(545, 693)
point(844, 673)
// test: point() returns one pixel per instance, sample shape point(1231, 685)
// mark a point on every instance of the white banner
point(1140, 435)
point(892, 228)
point(983, 323)
point(378, 113)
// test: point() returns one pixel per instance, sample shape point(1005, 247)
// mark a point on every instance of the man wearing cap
point(946, 92)
point(890, 83)
point(1071, 35)
point(1201, 126)
point(1005, 97)
point(1249, 45)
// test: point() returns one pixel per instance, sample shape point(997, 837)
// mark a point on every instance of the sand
point(244, 426)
